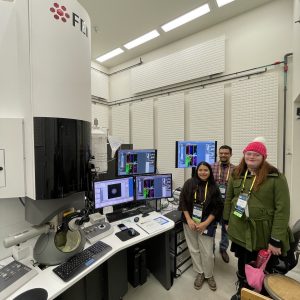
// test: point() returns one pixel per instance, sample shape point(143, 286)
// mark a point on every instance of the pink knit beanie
point(257, 145)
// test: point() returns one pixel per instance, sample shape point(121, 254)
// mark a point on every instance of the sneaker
point(224, 256)
point(199, 281)
point(211, 283)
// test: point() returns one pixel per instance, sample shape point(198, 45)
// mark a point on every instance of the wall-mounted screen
point(153, 186)
point(190, 153)
point(135, 162)
point(113, 192)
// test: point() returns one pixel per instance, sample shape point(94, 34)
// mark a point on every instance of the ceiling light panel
point(196, 13)
point(142, 39)
point(223, 2)
point(110, 55)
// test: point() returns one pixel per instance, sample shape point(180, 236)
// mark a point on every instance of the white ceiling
point(116, 22)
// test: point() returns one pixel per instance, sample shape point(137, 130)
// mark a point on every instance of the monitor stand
point(150, 205)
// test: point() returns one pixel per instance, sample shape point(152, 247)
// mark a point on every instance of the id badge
point(241, 205)
point(197, 213)
point(222, 188)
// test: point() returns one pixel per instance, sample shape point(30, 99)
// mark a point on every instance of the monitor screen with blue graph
point(136, 162)
point(153, 186)
point(190, 153)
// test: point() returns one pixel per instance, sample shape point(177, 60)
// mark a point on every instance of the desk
point(159, 258)
point(281, 287)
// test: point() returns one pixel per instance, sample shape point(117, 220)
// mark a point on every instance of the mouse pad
point(124, 235)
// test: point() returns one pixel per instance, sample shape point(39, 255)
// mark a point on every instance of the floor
point(183, 288)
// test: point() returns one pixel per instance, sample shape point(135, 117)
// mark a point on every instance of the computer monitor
point(153, 186)
point(136, 162)
point(190, 153)
point(113, 192)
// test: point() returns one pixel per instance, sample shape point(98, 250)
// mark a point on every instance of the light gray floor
point(183, 288)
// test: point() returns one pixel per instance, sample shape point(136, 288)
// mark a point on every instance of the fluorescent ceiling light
point(142, 39)
point(196, 13)
point(223, 2)
point(110, 55)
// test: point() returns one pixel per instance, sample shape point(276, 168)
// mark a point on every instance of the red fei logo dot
point(59, 12)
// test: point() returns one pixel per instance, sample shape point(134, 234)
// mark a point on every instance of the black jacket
point(213, 204)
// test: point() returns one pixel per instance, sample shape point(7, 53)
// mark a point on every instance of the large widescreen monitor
point(190, 153)
point(153, 186)
point(113, 192)
point(136, 162)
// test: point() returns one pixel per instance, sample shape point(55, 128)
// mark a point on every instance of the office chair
point(287, 263)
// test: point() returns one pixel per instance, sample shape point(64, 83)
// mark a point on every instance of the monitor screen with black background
point(113, 192)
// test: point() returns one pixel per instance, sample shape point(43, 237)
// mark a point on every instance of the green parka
point(269, 212)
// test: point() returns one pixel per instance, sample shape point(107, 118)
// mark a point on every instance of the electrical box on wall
point(11, 158)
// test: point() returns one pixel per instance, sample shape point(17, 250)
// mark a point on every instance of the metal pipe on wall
point(285, 69)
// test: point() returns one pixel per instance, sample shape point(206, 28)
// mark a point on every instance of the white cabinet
point(11, 158)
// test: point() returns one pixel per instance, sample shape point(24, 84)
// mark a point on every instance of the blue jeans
point(224, 242)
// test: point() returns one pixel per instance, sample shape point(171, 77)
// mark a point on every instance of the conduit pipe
point(213, 79)
point(285, 70)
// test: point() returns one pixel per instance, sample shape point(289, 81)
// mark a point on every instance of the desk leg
point(117, 283)
point(158, 259)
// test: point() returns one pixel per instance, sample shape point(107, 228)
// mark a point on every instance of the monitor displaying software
point(135, 162)
point(190, 153)
point(153, 186)
point(113, 192)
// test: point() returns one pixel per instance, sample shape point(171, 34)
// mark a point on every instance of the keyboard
point(81, 261)
point(13, 276)
point(116, 216)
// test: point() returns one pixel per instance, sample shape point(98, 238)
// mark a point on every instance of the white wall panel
point(194, 62)
point(120, 122)
point(255, 113)
point(169, 128)
point(142, 124)
point(206, 114)
point(101, 113)
point(99, 84)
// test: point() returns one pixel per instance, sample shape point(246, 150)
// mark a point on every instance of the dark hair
point(263, 171)
point(211, 178)
point(226, 147)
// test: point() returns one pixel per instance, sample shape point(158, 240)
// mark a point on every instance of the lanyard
point(243, 187)
point(205, 194)
point(228, 172)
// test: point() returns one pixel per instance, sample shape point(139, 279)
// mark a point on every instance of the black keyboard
point(116, 216)
point(80, 261)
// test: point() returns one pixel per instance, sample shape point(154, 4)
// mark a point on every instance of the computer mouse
point(131, 231)
point(136, 219)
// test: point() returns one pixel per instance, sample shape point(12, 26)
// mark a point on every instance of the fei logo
point(60, 13)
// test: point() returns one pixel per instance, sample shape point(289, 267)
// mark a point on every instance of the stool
point(281, 287)
point(33, 294)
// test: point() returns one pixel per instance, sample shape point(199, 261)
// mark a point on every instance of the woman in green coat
point(257, 209)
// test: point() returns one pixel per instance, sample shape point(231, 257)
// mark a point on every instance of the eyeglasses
point(251, 153)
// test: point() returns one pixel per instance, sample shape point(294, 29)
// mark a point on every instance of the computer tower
point(143, 266)
point(133, 266)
